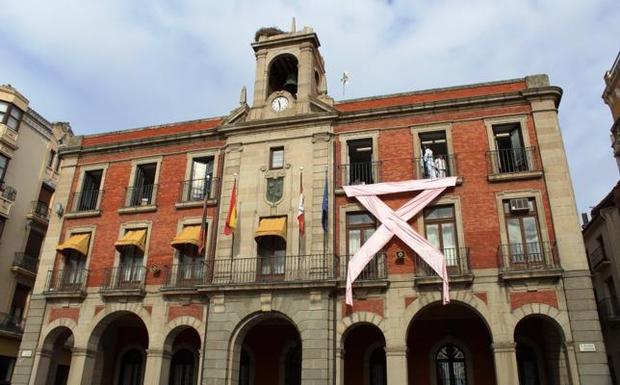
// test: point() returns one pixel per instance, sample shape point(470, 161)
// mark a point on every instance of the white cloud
point(116, 64)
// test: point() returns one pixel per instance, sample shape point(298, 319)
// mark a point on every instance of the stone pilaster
point(396, 365)
point(506, 371)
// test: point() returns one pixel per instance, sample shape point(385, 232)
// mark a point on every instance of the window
point(131, 266)
point(34, 243)
point(144, 189)
point(190, 260)
point(360, 226)
point(50, 160)
point(276, 157)
point(377, 367)
point(435, 162)
point(440, 228)
point(131, 368)
point(75, 263)
point(18, 305)
point(450, 363)
point(89, 196)
point(10, 115)
point(201, 179)
point(271, 255)
point(182, 368)
point(360, 167)
point(6, 369)
point(510, 155)
point(524, 241)
point(4, 164)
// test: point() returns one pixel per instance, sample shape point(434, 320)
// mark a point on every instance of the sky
point(117, 64)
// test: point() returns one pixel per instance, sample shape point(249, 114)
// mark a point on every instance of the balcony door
point(75, 263)
point(511, 155)
point(131, 267)
point(271, 257)
point(360, 162)
point(360, 226)
point(201, 178)
point(144, 184)
point(523, 233)
point(440, 228)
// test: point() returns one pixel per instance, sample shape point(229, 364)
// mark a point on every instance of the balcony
point(443, 166)
point(25, 265)
point(183, 277)
point(528, 260)
point(66, 283)
point(609, 310)
point(124, 281)
point(457, 265)
point(194, 191)
point(598, 258)
point(8, 138)
point(11, 324)
point(359, 173)
point(85, 203)
point(375, 270)
point(513, 163)
point(7, 198)
point(140, 199)
point(39, 212)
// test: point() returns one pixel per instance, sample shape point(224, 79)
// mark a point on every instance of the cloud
point(116, 64)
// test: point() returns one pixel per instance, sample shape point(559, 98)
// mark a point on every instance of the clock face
point(279, 104)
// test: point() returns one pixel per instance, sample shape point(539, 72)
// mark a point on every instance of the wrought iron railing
point(11, 323)
point(185, 275)
point(66, 280)
point(26, 262)
point(124, 278)
point(40, 210)
point(196, 189)
point(597, 256)
point(285, 268)
point(8, 192)
point(86, 200)
point(440, 166)
point(457, 263)
point(513, 160)
point(140, 195)
point(376, 269)
point(609, 308)
point(527, 256)
point(359, 173)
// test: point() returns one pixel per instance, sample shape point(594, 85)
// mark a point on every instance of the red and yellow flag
point(231, 218)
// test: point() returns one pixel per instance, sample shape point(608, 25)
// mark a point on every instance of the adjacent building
point(29, 167)
point(601, 234)
point(139, 283)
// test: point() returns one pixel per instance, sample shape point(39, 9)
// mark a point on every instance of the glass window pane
point(3, 106)
point(439, 212)
point(449, 236)
point(354, 241)
point(514, 230)
point(277, 158)
point(12, 122)
point(432, 235)
point(530, 229)
point(16, 113)
point(367, 234)
point(360, 219)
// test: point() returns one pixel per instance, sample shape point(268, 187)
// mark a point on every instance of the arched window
point(131, 368)
point(450, 362)
point(182, 368)
point(377, 367)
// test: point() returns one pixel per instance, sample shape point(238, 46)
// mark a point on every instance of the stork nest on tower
point(267, 32)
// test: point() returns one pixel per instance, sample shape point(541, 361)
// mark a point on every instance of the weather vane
point(344, 80)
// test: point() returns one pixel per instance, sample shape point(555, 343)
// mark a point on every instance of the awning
point(189, 235)
point(77, 242)
point(272, 226)
point(135, 238)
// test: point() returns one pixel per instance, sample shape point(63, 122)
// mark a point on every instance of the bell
point(290, 84)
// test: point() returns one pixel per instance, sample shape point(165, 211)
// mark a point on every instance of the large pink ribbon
point(395, 223)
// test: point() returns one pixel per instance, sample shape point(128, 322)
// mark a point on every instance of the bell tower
point(290, 74)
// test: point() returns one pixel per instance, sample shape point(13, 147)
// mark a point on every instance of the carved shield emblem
point(275, 188)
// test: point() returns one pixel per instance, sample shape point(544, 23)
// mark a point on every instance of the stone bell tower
point(290, 74)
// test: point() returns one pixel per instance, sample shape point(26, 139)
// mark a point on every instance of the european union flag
point(325, 209)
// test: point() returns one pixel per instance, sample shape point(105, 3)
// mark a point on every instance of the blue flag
point(325, 208)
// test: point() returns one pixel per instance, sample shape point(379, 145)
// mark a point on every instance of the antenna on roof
point(344, 80)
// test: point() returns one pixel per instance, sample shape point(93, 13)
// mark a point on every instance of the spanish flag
point(231, 219)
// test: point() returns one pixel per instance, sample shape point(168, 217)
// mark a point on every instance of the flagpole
point(232, 246)
point(301, 189)
point(325, 232)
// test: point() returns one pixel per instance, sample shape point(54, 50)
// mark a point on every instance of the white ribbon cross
point(395, 223)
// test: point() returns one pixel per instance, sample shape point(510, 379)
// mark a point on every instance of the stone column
point(396, 365)
point(82, 366)
point(260, 82)
point(157, 367)
point(506, 369)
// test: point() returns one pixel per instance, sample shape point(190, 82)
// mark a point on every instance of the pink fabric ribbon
point(395, 223)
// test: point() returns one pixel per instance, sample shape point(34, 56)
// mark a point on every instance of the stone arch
point(51, 330)
point(460, 297)
point(554, 315)
point(357, 318)
point(173, 327)
point(106, 316)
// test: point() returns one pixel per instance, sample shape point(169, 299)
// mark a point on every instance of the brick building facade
point(124, 295)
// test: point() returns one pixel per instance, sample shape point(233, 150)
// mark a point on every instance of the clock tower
point(290, 74)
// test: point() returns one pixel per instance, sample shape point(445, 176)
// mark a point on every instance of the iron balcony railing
point(185, 275)
point(11, 323)
point(26, 262)
point(359, 173)
point(197, 189)
point(457, 263)
point(597, 256)
point(124, 278)
point(40, 210)
point(513, 160)
point(376, 269)
point(439, 167)
point(609, 308)
point(527, 256)
point(86, 200)
point(66, 281)
point(8, 192)
point(140, 195)
point(259, 270)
